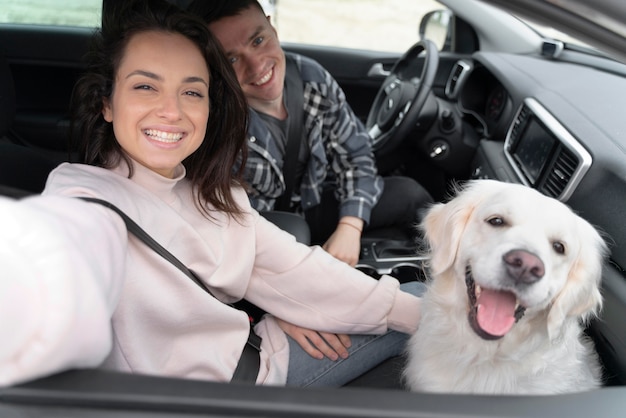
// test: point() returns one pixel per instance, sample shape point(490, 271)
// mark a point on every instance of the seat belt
point(249, 363)
point(295, 104)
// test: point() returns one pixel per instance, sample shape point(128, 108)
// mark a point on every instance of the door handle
point(378, 70)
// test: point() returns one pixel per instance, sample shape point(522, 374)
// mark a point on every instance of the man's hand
point(345, 242)
point(317, 344)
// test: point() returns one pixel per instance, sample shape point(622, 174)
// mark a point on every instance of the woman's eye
point(143, 87)
point(558, 247)
point(232, 60)
point(496, 221)
point(194, 94)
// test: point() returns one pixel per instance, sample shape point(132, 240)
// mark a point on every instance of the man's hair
point(212, 10)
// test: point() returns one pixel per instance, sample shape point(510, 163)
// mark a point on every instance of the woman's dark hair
point(210, 167)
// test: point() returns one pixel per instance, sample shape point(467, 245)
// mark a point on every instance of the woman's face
point(159, 107)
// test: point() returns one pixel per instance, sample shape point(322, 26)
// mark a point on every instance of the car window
point(390, 25)
point(85, 13)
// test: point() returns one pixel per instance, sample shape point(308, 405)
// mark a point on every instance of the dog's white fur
point(545, 351)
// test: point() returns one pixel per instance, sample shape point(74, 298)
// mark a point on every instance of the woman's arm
point(63, 265)
point(310, 288)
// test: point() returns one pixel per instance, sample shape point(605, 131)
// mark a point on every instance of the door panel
point(45, 62)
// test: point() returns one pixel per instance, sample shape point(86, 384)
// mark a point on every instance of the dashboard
point(555, 125)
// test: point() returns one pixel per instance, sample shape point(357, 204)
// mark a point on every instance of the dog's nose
point(523, 266)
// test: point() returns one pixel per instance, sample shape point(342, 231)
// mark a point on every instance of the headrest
point(7, 96)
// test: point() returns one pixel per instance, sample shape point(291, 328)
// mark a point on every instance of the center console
point(538, 152)
point(402, 259)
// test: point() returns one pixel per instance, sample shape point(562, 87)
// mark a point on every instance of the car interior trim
point(459, 73)
point(532, 108)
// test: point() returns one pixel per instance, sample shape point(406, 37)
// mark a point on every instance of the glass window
point(384, 25)
point(549, 32)
point(52, 12)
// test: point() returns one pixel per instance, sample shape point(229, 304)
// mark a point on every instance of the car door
point(44, 49)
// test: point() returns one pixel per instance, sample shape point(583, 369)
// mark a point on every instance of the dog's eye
point(496, 221)
point(558, 247)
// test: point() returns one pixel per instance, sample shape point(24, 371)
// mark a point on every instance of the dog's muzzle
point(499, 310)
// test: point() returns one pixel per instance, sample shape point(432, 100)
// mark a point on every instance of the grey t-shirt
point(279, 128)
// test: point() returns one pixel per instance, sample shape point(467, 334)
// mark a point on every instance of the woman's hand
point(345, 242)
point(317, 344)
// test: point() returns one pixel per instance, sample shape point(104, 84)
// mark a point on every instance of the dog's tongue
point(496, 311)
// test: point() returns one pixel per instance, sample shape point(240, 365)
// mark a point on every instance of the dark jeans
point(395, 216)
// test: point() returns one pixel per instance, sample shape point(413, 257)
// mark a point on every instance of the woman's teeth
point(161, 136)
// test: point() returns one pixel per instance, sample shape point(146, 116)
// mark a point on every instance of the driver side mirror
point(437, 26)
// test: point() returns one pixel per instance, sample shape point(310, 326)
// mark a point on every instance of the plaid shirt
point(340, 154)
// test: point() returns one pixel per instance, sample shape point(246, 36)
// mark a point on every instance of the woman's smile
point(160, 112)
point(164, 137)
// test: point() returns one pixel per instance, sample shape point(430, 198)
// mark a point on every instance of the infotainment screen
point(533, 149)
point(542, 153)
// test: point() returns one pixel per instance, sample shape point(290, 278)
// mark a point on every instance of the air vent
point(460, 71)
point(543, 153)
point(561, 172)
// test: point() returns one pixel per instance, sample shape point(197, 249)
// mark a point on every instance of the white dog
point(515, 275)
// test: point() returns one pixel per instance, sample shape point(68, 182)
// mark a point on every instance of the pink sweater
point(57, 290)
point(165, 324)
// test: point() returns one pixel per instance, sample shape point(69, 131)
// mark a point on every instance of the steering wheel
point(401, 97)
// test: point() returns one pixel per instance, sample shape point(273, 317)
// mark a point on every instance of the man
point(336, 184)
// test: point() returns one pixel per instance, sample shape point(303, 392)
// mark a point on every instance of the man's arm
point(353, 164)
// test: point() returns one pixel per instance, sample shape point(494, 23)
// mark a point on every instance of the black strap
point(295, 103)
point(249, 363)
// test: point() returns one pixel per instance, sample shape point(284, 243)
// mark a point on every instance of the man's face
point(252, 46)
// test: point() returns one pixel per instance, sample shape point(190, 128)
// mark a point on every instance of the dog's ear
point(443, 228)
point(580, 297)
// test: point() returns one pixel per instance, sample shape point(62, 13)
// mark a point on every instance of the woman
point(155, 77)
